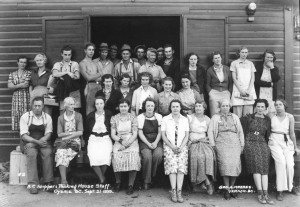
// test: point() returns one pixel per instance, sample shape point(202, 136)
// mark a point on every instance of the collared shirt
point(132, 69)
point(71, 66)
point(44, 119)
point(219, 72)
point(141, 119)
point(164, 102)
point(107, 67)
point(41, 80)
point(144, 94)
point(243, 64)
point(99, 126)
point(156, 71)
point(168, 125)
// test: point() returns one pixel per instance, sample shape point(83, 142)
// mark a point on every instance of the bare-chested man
point(92, 74)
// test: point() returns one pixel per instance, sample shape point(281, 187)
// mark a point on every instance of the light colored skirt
point(175, 163)
point(99, 150)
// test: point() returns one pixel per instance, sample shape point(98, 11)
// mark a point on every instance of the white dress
point(99, 149)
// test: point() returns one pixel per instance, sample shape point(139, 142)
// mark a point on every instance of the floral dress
point(20, 98)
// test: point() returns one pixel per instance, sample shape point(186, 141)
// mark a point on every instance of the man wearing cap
point(140, 54)
point(150, 67)
point(127, 65)
point(170, 65)
point(160, 53)
point(105, 65)
point(113, 54)
point(92, 74)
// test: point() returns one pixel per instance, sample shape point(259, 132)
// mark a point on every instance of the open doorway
point(152, 31)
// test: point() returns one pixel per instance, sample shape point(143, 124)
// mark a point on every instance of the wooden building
point(28, 27)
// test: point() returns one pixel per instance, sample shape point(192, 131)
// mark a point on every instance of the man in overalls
point(35, 132)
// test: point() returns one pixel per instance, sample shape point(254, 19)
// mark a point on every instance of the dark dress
point(257, 151)
point(112, 102)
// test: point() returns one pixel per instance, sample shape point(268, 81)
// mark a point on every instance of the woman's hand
point(125, 143)
point(270, 64)
point(153, 145)
point(24, 84)
point(122, 148)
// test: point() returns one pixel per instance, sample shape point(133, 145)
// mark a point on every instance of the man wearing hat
point(127, 65)
point(150, 67)
point(160, 53)
point(105, 65)
point(140, 54)
point(113, 54)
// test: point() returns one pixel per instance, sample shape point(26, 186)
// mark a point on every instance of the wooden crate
point(18, 168)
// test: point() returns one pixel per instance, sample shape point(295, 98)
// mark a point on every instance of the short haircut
point(89, 44)
point(175, 101)
point(42, 55)
point(212, 55)
point(151, 100)
point(67, 101)
point(261, 101)
point(202, 103)
point(270, 52)
point(187, 58)
point(283, 102)
point(66, 48)
point(220, 102)
point(124, 75)
point(146, 74)
point(168, 45)
point(240, 49)
point(22, 57)
point(106, 76)
point(123, 100)
point(37, 98)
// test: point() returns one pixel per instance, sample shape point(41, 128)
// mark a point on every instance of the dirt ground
point(19, 196)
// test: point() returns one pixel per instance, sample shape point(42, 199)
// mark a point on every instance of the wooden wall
point(21, 33)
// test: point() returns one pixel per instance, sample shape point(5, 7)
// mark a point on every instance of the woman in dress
point(243, 93)
point(111, 95)
point(38, 85)
point(226, 135)
point(266, 78)
point(257, 129)
point(283, 145)
point(68, 143)
point(218, 82)
point(175, 134)
point(187, 95)
point(202, 158)
point(18, 81)
point(126, 153)
point(195, 71)
point(99, 147)
point(150, 140)
point(166, 96)
point(124, 87)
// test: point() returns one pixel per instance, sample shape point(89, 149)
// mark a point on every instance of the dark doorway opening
point(152, 31)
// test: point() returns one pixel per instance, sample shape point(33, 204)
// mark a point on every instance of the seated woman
point(99, 147)
point(124, 87)
point(283, 145)
point(112, 96)
point(150, 140)
point(202, 158)
point(225, 133)
point(166, 96)
point(187, 95)
point(257, 128)
point(69, 130)
point(142, 92)
point(175, 133)
point(126, 152)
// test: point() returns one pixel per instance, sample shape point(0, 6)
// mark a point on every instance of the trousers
point(151, 159)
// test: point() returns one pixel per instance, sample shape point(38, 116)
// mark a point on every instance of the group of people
point(135, 121)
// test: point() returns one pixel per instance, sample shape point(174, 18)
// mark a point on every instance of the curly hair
point(270, 52)
point(145, 74)
point(107, 76)
point(261, 101)
point(188, 56)
point(151, 100)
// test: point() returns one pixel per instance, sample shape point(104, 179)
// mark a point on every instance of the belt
point(100, 134)
point(94, 82)
point(284, 135)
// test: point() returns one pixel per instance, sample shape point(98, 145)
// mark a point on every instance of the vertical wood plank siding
point(21, 33)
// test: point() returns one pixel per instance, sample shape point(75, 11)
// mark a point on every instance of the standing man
point(160, 53)
point(92, 74)
point(155, 70)
point(140, 52)
point(113, 54)
point(35, 132)
point(127, 65)
point(68, 72)
point(170, 65)
point(105, 65)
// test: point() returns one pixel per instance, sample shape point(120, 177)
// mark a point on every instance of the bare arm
point(292, 132)
point(87, 76)
point(70, 135)
point(185, 140)
point(114, 135)
point(237, 83)
point(166, 140)
point(143, 138)
point(251, 83)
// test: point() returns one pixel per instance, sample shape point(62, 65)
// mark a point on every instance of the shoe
point(179, 196)
point(146, 186)
point(33, 189)
point(227, 194)
point(210, 189)
point(233, 195)
point(173, 196)
point(261, 199)
point(279, 196)
point(269, 200)
point(130, 190)
point(117, 187)
point(296, 190)
point(50, 187)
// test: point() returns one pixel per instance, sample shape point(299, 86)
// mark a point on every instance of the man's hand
point(71, 75)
